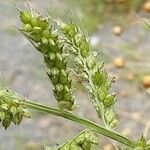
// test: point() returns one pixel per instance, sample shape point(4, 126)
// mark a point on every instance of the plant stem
point(93, 126)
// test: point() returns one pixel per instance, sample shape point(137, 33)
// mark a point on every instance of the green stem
point(93, 126)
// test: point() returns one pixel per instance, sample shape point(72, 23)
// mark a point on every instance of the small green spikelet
point(46, 40)
point(11, 109)
point(109, 100)
point(25, 17)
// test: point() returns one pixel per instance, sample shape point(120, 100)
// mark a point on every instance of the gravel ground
point(23, 71)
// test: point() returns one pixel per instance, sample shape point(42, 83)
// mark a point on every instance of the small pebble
point(146, 7)
point(117, 30)
point(146, 81)
point(108, 146)
point(119, 62)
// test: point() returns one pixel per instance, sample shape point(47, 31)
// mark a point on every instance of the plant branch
point(82, 121)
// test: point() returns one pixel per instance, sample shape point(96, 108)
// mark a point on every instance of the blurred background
point(121, 38)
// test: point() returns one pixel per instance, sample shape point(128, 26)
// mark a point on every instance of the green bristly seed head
point(84, 141)
point(47, 41)
point(11, 109)
point(91, 72)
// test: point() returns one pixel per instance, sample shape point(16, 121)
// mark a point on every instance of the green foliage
point(55, 42)
point(11, 109)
